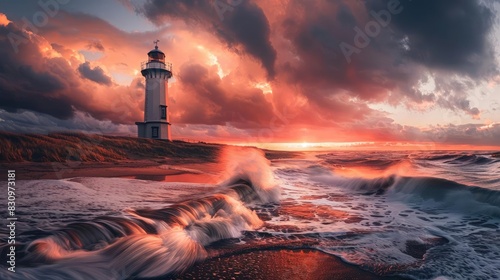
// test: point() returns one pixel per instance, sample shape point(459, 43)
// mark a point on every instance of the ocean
point(411, 214)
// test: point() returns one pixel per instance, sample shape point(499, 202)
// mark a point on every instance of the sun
point(305, 145)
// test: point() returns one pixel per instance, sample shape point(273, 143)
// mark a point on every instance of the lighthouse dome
point(156, 55)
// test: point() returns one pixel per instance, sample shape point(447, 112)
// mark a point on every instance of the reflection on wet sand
point(183, 177)
point(276, 264)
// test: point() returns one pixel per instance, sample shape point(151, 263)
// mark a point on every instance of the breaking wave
point(144, 243)
point(432, 190)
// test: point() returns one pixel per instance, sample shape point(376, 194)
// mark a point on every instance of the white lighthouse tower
point(156, 123)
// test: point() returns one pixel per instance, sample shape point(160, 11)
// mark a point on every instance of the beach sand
point(287, 264)
point(167, 171)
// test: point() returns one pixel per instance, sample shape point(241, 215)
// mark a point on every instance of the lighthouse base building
point(154, 130)
point(156, 124)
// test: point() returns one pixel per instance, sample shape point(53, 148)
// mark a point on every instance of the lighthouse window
point(163, 111)
point(154, 132)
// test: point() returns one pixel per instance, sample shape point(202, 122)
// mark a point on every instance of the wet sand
point(207, 172)
point(303, 264)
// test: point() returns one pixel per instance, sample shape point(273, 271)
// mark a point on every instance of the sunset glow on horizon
point(277, 74)
point(364, 146)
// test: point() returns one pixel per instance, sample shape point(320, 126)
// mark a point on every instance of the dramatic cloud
point(23, 83)
point(243, 23)
point(449, 34)
point(95, 74)
point(45, 78)
point(208, 99)
point(383, 50)
point(30, 122)
point(268, 71)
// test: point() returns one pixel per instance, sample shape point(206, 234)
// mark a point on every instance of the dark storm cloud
point(208, 99)
point(447, 34)
point(24, 87)
point(446, 40)
point(95, 74)
point(31, 122)
point(316, 36)
point(244, 23)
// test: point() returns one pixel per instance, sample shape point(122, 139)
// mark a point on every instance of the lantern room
point(156, 55)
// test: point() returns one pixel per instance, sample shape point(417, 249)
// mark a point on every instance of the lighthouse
point(156, 124)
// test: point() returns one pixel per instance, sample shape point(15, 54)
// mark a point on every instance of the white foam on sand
point(48, 204)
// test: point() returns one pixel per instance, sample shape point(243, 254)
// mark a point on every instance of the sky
point(342, 72)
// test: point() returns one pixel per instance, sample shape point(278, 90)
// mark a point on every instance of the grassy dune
point(62, 147)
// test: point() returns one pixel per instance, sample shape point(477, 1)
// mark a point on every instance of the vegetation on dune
point(61, 147)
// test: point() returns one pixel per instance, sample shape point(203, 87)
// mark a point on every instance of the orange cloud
point(3, 19)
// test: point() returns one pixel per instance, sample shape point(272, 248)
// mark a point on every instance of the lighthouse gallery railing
point(157, 65)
